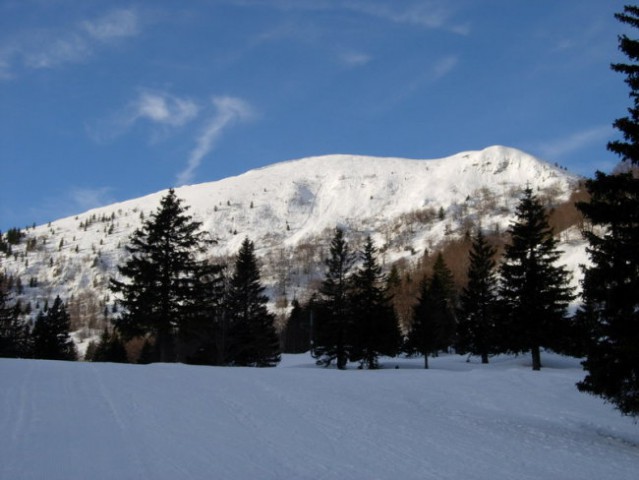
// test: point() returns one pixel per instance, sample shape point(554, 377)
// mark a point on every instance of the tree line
point(193, 311)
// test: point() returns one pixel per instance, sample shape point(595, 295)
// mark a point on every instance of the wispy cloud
point(46, 48)
point(112, 26)
point(559, 147)
point(354, 59)
point(87, 198)
point(431, 14)
point(229, 110)
point(161, 110)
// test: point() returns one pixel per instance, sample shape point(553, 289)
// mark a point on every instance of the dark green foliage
point(375, 331)
point(251, 325)
point(297, 333)
point(333, 315)
point(158, 297)
point(14, 236)
point(477, 303)
point(434, 322)
point(205, 337)
point(109, 349)
point(51, 339)
point(610, 313)
point(534, 291)
point(14, 334)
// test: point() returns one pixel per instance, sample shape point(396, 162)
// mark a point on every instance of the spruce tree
point(434, 323)
point(297, 333)
point(375, 331)
point(477, 302)
point(157, 295)
point(14, 334)
point(611, 282)
point(109, 349)
point(534, 290)
point(251, 325)
point(51, 339)
point(333, 314)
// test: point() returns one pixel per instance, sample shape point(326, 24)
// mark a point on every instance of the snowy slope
point(458, 420)
point(290, 209)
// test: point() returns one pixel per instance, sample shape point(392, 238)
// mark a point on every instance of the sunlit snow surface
point(457, 420)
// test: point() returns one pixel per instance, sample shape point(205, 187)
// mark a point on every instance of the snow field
point(297, 421)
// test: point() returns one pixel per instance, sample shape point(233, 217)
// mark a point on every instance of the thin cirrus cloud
point(575, 142)
point(164, 114)
point(46, 48)
point(229, 111)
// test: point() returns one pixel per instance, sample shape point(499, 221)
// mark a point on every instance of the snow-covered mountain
point(290, 209)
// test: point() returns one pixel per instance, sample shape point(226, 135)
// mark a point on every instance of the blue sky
point(106, 101)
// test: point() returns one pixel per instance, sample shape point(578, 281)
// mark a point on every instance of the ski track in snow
point(457, 420)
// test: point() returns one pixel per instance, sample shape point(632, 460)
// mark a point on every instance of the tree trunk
point(426, 360)
point(484, 358)
point(536, 358)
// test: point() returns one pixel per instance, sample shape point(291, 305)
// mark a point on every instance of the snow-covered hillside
point(290, 209)
point(166, 421)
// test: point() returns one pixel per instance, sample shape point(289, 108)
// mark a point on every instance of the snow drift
point(458, 420)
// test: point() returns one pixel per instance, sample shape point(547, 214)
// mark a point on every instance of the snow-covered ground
point(457, 420)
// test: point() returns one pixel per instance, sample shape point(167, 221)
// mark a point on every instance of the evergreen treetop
point(534, 290)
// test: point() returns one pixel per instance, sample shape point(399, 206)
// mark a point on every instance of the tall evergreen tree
point(333, 315)
point(51, 339)
point(375, 330)
point(14, 334)
point(611, 283)
point(158, 296)
point(297, 333)
point(252, 330)
point(109, 349)
point(534, 290)
point(477, 303)
point(434, 322)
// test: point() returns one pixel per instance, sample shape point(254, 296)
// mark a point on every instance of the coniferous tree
point(421, 337)
point(14, 334)
point(51, 339)
point(434, 323)
point(205, 337)
point(109, 349)
point(252, 330)
point(477, 303)
point(297, 333)
point(534, 290)
point(375, 331)
point(333, 315)
point(611, 284)
point(158, 297)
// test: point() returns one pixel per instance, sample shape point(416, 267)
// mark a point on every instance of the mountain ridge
point(289, 210)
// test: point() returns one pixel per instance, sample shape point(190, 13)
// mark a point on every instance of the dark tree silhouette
point(158, 297)
point(478, 301)
point(534, 290)
point(611, 284)
point(51, 339)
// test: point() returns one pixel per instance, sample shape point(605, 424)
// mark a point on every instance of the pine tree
point(434, 323)
point(14, 334)
point(477, 303)
point(297, 333)
point(51, 339)
point(611, 283)
point(251, 325)
point(375, 331)
point(158, 297)
point(534, 290)
point(109, 349)
point(333, 313)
